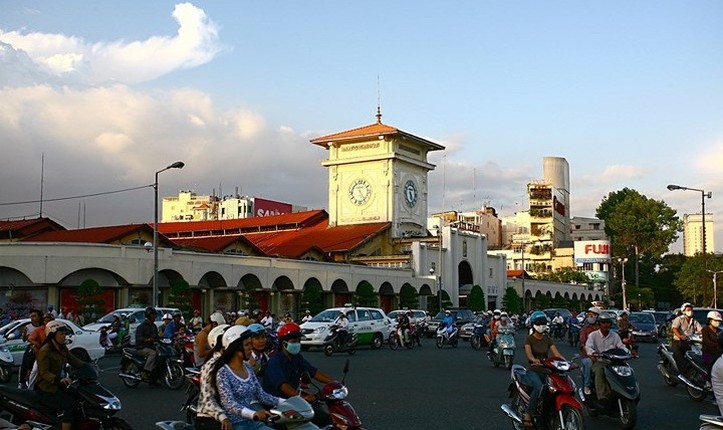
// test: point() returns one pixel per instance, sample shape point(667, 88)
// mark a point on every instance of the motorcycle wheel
point(454, 342)
point(191, 417)
point(393, 344)
point(695, 394)
point(493, 356)
point(519, 407)
point(476, 342)
point(132, 369)
point(629, 416)
point(508, 362)
point(116, 424)
point(328, 350)
point(351, 350)
point(5, 374)
point(174, 379)
point(440, 342)
point(571, 419)
point(670, 379)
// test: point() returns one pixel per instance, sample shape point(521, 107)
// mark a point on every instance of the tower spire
point(379, 102)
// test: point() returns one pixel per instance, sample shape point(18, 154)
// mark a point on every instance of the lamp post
point(441, 270)
point(176, 165)
point(715, 286)
point(703, 195)
point(523, 274)
point(622, 281)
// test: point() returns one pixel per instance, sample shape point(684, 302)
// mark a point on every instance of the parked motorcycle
point(504, 349)
point(711, 422)
point(168, 368)
point(624, 389)
point(6, 364)
point(445, 337)
point(96, 405)
point(558, 408)
point(333, 342)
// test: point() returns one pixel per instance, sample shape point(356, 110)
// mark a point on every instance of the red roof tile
point(108, 234)
point(242, 225)
point(215, 243)
point(368, 131)
point(517, 274)
point(18, 229)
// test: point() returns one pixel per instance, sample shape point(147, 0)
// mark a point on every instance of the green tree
point(313, 299)
point(511, 301)
point(365, 295)
point(543, 302)
point(695, 278)
point(446, 301)
point(90, 300)
point(663, 281)
point(180, 297)
point(408, 297)
point(476, 299)
point(566, 275)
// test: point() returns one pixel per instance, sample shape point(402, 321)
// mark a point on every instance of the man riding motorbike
point(403, 327)
point(172, 328)
point(683, 327)
point(342, 322)
point(259, 358)
point(147, 340)
point(598, 342)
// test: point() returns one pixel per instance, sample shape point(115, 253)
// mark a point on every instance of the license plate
point(508, 352)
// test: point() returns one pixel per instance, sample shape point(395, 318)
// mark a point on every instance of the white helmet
point(215, 333)
point(234, 333)
point(167, 317)
point(504, 314)
point(54, 326)
point(686, 305)
point(714, 315)
point(595, 310)
point(218, 318)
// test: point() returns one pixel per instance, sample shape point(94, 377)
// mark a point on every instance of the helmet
point(167, 317)
point(497, 312)
point(595, 310)
point(218, 318)
point(604, 318)
point(289, 331)
point(714, 315)
point(55, 326)
point(538, 318)
point(447, 312)
point(256, 328)
point(504, 314)
point(235, 333)
point(150, 312)
point(624, 312)
point(177, 314)
point(215, 333)
point(686, 305)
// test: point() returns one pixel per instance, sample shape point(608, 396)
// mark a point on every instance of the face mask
point(293, 348)
point(540, 328)
point(715, 323)
point(688, 313)
point(497, 317)
point(591, 320)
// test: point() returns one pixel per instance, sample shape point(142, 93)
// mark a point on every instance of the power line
point(77, 197)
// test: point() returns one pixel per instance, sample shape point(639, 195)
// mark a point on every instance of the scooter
point(333, 400)
point(96, 409)
point(169, 367)
point(478, 339)
point(395, 339)
point(558, 408)
point(711, 422)
point(190, 405)
point(6, 363)
point(667, 365)
point(696, 377)
point(504, 349)
point(624, 389)
point(333, 343)
point(444, 337)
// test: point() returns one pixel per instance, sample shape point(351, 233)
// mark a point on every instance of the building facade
point(693, 234)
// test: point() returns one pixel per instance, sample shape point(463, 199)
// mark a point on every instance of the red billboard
point(263, 207)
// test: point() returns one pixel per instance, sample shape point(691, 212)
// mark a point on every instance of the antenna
point(42, 174)
point(379, 102)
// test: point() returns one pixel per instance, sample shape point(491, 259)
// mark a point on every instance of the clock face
point(410, 193)
point(360, 191)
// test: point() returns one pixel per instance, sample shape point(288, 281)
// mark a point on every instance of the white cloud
point(72, 59)
point(620, 173)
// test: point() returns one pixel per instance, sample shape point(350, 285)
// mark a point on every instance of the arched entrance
point(465, 276)
point(313, 296)
point(386, 297)
point(341, 293)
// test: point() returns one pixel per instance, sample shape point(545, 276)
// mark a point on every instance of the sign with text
point(592, 251)
point(263, 207)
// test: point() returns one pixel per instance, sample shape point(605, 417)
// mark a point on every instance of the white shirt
point(558, 320)
point(306, 318)
point(597, 343)
point(267, 321)
point(343, 323)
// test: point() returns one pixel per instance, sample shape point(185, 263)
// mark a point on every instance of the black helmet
point(605, 317)
point(150, 311)
point(176, 313)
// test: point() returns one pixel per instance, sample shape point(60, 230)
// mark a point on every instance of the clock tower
point(378, 173)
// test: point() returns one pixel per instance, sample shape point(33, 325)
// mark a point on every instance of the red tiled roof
point(107, 234)
point(371, 130)
point(215, 243)
point(516, 274)
point(22, 228)
point(242, 225)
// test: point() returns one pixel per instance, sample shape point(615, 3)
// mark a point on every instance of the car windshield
point(326, 316)
point(644, 318)
point(660, 317)
point(393, 314)
point(440, 315)
point(8, 327)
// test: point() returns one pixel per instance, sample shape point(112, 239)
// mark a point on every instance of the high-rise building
point(693, 234)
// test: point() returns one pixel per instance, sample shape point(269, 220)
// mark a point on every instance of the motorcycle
point(573, 334)
point(96, 405)
point(624, 389)
point(190, 405)
point(558, 408)
point(478, 338)
point(711, 422)
point(395, 340)
point(333, 400)
point(667, 365)
point(333, 343)
point(504, 350)
point(185, 349)
point(168, 367)
point(444, 337)
point(696, 376)
point(6, 364)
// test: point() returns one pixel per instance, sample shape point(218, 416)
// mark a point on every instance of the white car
point(135, 317)
point(371, 326)
point(84, 344)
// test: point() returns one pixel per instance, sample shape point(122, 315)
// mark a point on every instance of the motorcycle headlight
point(339, 393)
point(623, 370)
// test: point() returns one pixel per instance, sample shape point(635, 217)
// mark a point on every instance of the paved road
point(429, 388)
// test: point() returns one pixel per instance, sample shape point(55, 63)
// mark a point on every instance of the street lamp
point(703, 195)
point(715, 286)
point(622, 281)
point(176, 165)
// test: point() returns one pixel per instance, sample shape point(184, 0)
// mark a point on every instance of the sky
point(108, 93)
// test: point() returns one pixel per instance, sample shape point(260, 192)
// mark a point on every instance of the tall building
point(584, 228)
point(693, 234)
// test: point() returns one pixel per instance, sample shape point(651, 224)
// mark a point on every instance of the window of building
point(595, 226)
point(491, 272)
point(464, 249)
point(587, 266)
point(577, 227)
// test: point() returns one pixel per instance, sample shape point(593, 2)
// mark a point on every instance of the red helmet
point(289, 331)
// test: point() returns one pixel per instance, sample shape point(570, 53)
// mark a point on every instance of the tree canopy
point(565, 275)
point(476, 299)
point(695, 278)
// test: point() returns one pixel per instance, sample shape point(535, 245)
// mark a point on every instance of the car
point(644, 326)
point(84, 344)
point(135, 317)
point(467, 330)
point(661, 321)
point(371, 325)
point(550, 312)
point(461, 317)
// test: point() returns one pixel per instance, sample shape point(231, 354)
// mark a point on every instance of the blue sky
point(631, 93)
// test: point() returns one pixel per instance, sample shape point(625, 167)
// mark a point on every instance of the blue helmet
point(256, 328)
point(538, 318)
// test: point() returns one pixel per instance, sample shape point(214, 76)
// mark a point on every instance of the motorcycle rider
point(211, 415)
point(342, 323)
point(196, 323)
point(147, 337)
point(201, 344)
point(403, 328)
point(259, 358)
point(683, 327)
point(52, 381)
point(598, 342)
point(557, 322)
point(502, 325)
point(538, 346)
point(711, 349)
point(237, 385)
point(166, 319)
point(36, 322)
point(590, 325)
point(448, 322)
point(307, 316)
point(174, 325)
